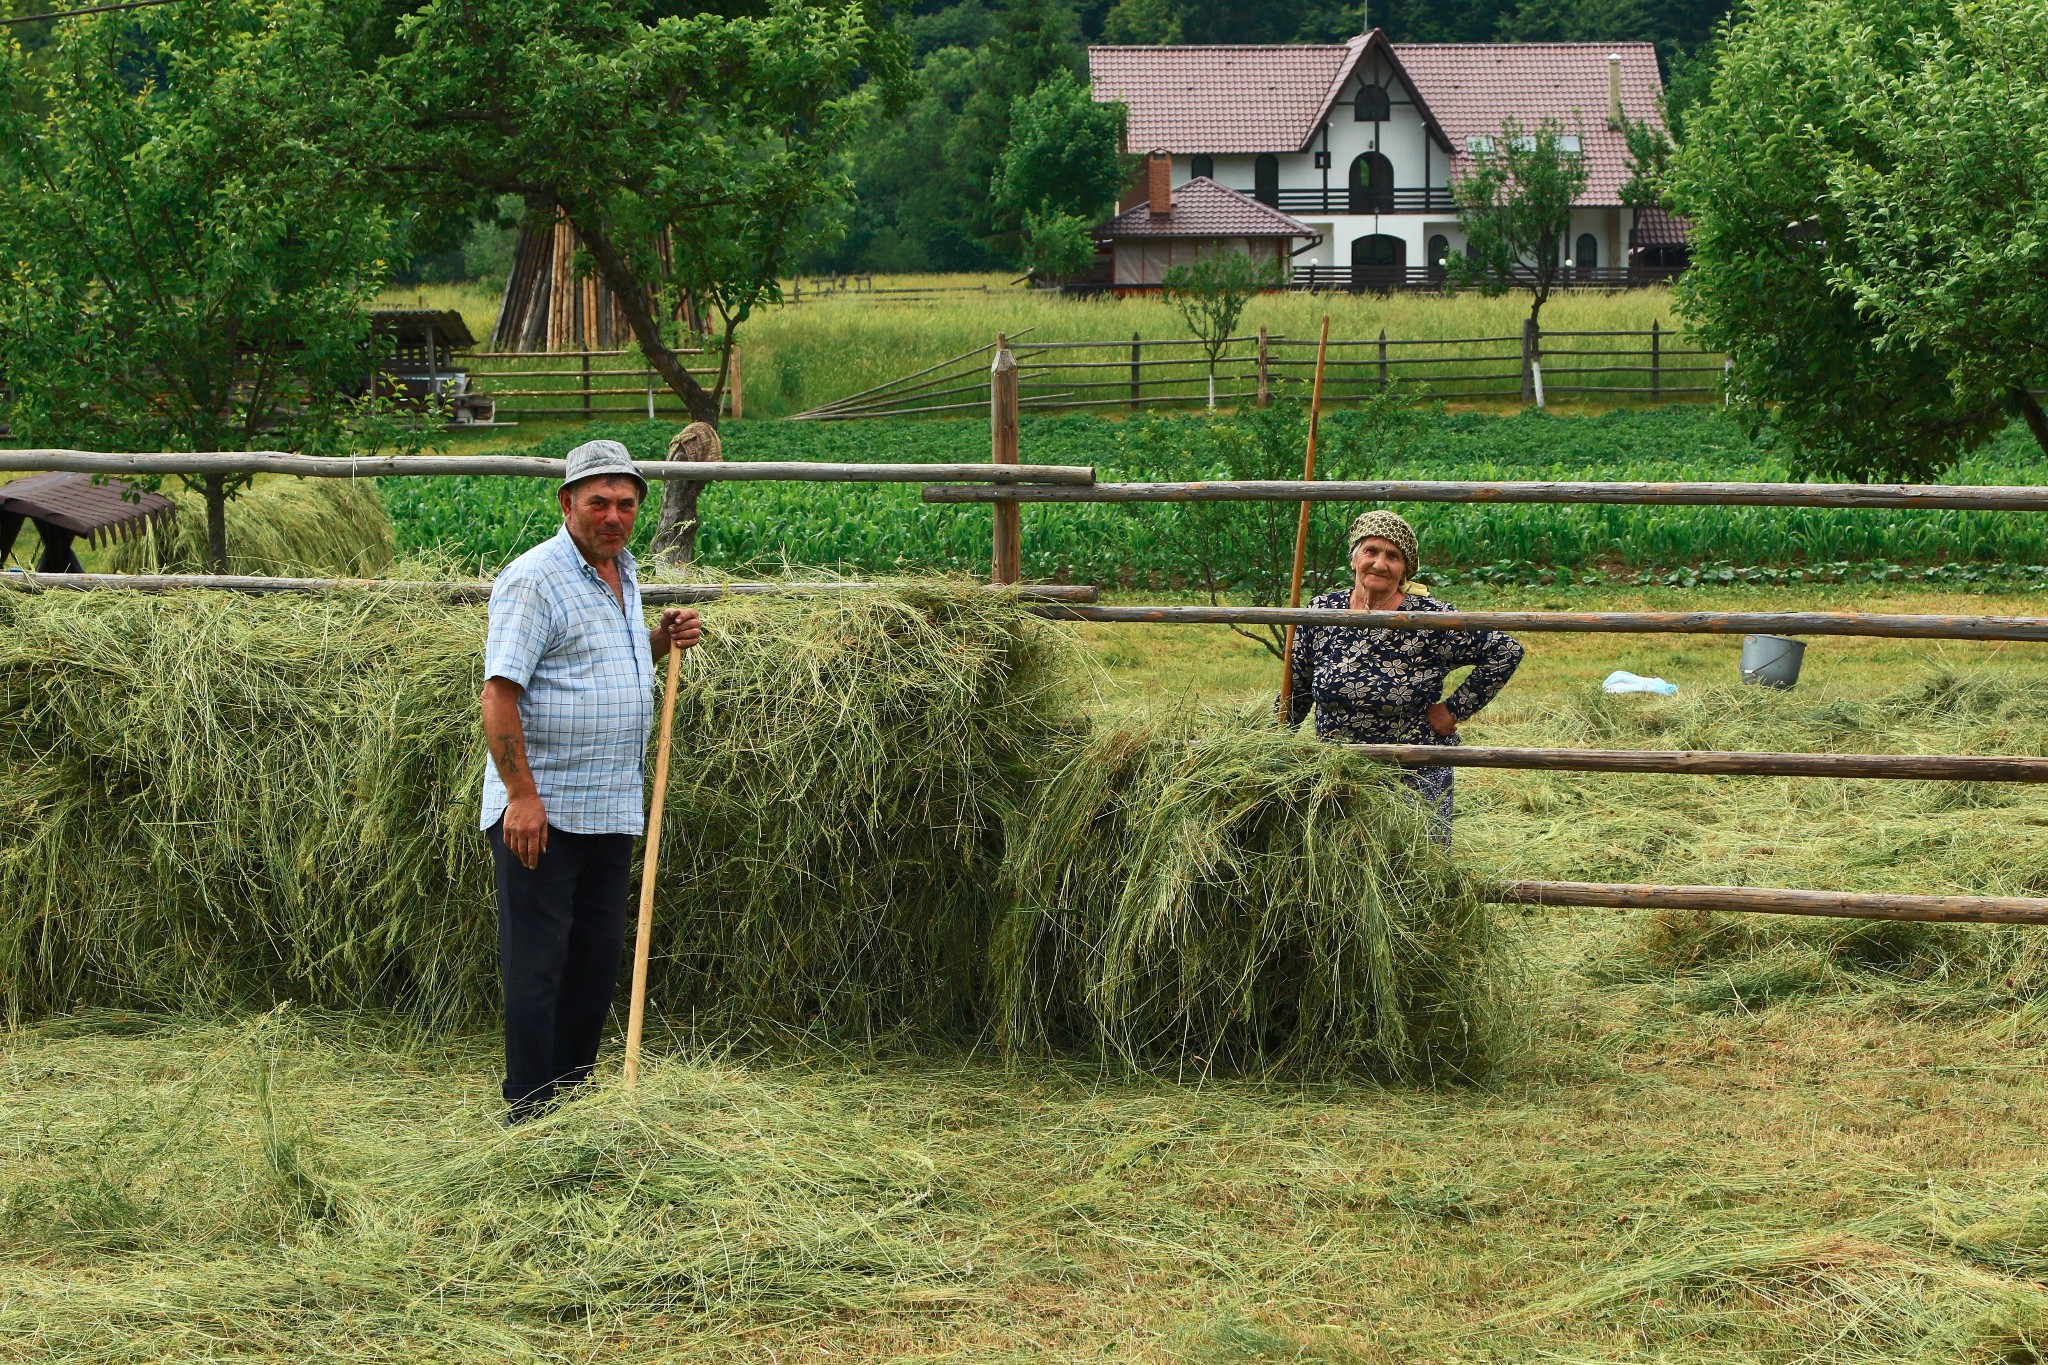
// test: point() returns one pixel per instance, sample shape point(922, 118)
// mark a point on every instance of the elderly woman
point(1386, 686)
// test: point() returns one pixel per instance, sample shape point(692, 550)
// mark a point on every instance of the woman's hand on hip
point(1441, 720)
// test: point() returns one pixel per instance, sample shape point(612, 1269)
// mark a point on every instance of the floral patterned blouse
point(1376, 686)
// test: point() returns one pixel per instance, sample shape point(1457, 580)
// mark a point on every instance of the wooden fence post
point(1265, 377)
point(1136, 346)
point(1383, 360)
point(1006, 561)
point(1655, 337)
point(586, 386)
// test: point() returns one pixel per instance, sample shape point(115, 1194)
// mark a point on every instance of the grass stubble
point(1681, 1161)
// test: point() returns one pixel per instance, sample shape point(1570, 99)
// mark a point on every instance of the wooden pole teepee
point(548, 307)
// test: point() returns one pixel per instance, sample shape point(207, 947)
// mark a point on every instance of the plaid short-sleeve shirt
point(587, 674)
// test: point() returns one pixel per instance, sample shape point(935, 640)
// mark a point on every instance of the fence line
point(1775, 901)
point(1966, 497)
point(522, 466)
point(1837, 623)
point(1252, 368)
point(1717, 762)
point(658, 398)
point(478, 590)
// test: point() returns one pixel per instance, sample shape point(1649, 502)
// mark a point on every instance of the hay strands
point(478, 590)
point(523, 466)
point(1774, 901)
point(1854, 623)
point(1910, 767)
point(636, 1014)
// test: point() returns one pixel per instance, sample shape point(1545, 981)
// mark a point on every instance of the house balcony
point(1338, 199)
point(1381, 279)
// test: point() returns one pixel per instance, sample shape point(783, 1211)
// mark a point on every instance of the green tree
point(694, 155)
point(1060, 172)
point(1516, 208)
point(186, 267)
point(1946, 220)
point(1796, 97)
point(1210, 295)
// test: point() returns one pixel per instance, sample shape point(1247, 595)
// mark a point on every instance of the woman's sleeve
point(1301, 665)
point(1495, 657)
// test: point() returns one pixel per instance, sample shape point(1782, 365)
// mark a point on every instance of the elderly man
point(568, 700)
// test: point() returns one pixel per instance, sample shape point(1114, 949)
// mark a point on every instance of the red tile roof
point(1472, 87)
point(1272, 98)
point(1220, 99)
point(1203, 208)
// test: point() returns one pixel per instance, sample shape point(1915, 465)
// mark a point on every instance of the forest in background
point(922, 180)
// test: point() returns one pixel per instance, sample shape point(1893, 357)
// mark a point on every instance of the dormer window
point(1373, 104)
point(1202, 166)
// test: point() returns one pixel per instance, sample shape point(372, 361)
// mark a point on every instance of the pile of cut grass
point(1212, 892)
point(223, 1218)
point(287, 528)
point(231, 802)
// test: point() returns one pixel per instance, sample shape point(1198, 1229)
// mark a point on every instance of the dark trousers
point(561, 926)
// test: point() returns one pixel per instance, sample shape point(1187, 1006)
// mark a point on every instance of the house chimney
point(1159, 182)
point(1614, 119)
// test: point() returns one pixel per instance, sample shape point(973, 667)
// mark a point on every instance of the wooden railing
point(1341, 199)
point(588, 384)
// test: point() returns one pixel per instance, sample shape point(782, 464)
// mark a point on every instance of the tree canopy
point(186, 264)
point(1515, 204)
point(1832, 236)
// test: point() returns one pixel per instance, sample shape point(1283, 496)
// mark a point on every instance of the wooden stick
point(1776, 901)
point(1854, 623)
point(636, 1014)
point(1308, 474)
point(1965, 497)
point(1914, 767)
point(653, 594)
point(385, 466)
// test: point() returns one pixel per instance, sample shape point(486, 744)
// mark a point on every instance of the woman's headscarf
point(1389, 526)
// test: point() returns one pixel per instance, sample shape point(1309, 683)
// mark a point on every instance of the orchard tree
point(1210, 295)
point(185, 265)
point(1060, 173)
point(1946, 212)
point(1790, 172)
point(693, 154)
point(1515, 205)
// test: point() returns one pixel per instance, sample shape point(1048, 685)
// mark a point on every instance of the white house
point(1357, 144)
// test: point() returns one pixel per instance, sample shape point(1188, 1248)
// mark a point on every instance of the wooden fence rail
point(1718, 762)
point(491, 371)
point(520, 466)
point(1981, 497)
point(477, 590)
point(1776, 901)
point(1845, 623)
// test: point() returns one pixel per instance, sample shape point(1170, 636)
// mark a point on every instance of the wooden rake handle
point(636, 1016)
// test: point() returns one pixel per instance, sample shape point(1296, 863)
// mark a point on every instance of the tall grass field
point(800, 356)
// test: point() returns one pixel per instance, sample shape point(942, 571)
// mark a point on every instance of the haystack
point(311, 528)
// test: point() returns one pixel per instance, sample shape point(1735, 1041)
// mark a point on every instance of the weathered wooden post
point(1006, 563)
point(1655, 378)
point(1136, 345)
point(1528, 353)
point(1265, 376)
point(586, 386)
point(1383, 360)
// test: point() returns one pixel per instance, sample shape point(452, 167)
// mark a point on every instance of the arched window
point(1439, 254)
point(1266, 181)
point(1588, 255)
point(1202, 166)
point(1373, 104)
point(1372, 184)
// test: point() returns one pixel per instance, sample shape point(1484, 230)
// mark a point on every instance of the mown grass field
point(1716, 1140)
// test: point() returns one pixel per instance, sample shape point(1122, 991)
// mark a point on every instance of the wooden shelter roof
point(106, 511)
